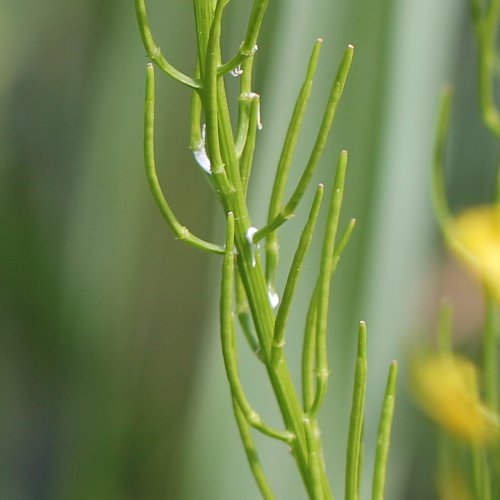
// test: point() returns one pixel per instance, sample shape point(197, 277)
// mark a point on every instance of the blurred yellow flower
point(453, 487)
point(446, 386)
point(474, 236)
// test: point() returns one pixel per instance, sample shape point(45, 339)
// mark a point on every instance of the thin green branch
point(309, 344)
point(384, 435)
point(324, 280)
point(314, 462)
point(154, 52)
point(338, 86)
point(180, 231)
point(293, 275)
point(248, 47)
point(251, 453)
point(308, 351)
point(246, 160)
point(353, 473)
point(228, 341)
point(285, 161)
point(210, 100)
point(245, 101)
point(439, 198)
point(485, 21)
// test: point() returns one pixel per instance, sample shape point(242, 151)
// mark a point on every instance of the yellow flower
point(446, 386)
point(474, 236)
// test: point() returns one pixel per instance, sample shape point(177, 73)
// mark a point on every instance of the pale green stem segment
point(203, 16)
point(314, 462)
point(196, 138)
point(331, 108)
point(384, 435)
point(293, 276)
point(228, 341)
point(180, 231)
point(251, 453)
point(324, 279)
point(353, 462)
point(245, 102)
point(309, 345)
point(248, 47)
point(481, 474)
point(485, 19)
point(285, 162)
point(246, 160)
point(439, 197)
point(210, 97)
point(154, 52)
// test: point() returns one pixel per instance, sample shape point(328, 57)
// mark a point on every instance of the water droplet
point(274, 298)
point(253, 247)
point(238, 71)
point(200, 154)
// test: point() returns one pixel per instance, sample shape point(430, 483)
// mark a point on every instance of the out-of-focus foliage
point(111, 375)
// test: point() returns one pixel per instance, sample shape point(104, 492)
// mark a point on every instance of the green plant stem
point(439, 198)
point(154, 52)
point(248, 47)
point(331, 108)
point(324, 279)
point(229, 343)
point(293, 275)
point(384, 435)
point(309, 345)
point(353, 471)
point(249, 148)
point(485, 19)
point(249, 268)
point(251, 453)
point(285, 162)
point(181, 232)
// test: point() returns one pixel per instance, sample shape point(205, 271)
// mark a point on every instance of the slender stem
point(439, 197)
point(181, 232)
point(353, 473)
point(286, 160)
point(324, 280)
point(308, 351)
point(485, 21)
point(249, 148)
point(331, 108)
point(309, 345)
point(154, 52)
point(314, 463)
point(384, 435)
point(228, 341)
point(204, 11)
point(248, 47)
point(251, 453)
point(293, 275)
point(245, 102)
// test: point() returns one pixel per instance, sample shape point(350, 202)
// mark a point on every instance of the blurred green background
point(112, 385)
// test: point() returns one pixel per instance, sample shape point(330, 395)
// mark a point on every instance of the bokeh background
point(111, 379)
